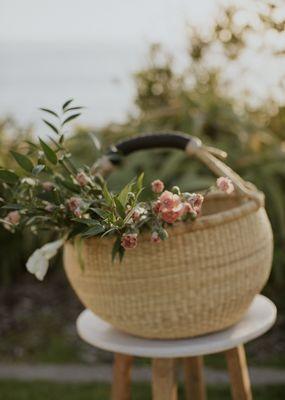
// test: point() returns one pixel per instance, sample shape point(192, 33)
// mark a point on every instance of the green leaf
point(73, 109)
point(50, 112)
point(120, 208)
point(107, 195)
point(49, 153)
point(50, 125)
point(68, 184)
point(61, 139)
point(33, 145)
point(94, 230)
point(103, 214)
point(140, 182)
point(8, 176)
point(38, 169)
point(11, 207)
point(55, 143)
point(117, 249)
point(68, 119)
point(66, 104)
point(78, 244)
point(123, 196)
point(76, 230)
point(85, 221)
point(23, 161)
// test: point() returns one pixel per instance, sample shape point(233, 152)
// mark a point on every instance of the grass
point(14, 390)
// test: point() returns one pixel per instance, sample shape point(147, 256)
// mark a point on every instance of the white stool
point(258, 319)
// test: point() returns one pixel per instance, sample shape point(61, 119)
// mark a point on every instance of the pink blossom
point(196, 201)
point(157, 186)
point(48, 186)
point(12, 218)
point(82, 178)
point(169, 201)
point(169, 207)
point(74, 204)
point(225, 184)
point(170, 216)
point(155, 237)
point(129, 240)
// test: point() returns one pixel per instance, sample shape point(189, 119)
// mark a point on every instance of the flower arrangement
point(74, 202)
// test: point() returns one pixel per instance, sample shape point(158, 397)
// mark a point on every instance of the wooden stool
point(165, 353)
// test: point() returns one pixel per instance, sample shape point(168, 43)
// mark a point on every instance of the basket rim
point(247, 206)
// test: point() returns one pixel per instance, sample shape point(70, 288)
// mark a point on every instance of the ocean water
point(98, 76)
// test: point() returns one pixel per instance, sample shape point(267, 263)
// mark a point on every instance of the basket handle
point(192, 145)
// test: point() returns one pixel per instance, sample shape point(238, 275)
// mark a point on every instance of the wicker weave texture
point(198, 281)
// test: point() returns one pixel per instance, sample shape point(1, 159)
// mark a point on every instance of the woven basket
point(201, 280)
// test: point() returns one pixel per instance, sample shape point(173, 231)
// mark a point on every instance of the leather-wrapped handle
point(151, 141)
point(177, 140)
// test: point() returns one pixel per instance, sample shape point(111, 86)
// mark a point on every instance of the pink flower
point(12, 218)
point(129, 240)
point(225, 184)
point(168, 201)
point(171, 216)
point(74, 204)
point(169, 206)
point(196, 201)
point(48, 186)
point(157, 186)
point(82, 178)
point(155, 237)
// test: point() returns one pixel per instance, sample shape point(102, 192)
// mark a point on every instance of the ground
point(10, 390)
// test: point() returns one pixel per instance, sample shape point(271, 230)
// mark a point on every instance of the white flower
point(49, 250)
point(29, 181)
point(37, 264)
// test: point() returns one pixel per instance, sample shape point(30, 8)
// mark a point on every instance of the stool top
point(259, 318)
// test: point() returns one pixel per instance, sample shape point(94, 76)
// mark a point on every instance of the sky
point(53, 49)
point(98, 20)
point(89, 49)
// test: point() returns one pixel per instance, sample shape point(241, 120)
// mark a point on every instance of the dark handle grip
point(174, 140)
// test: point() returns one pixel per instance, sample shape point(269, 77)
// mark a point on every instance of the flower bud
point(163, 234)
point(157, 186)
point(131, 196)
point(176, 190)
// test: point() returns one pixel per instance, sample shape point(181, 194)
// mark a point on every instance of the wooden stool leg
point(121, 388)
point(194, 378)
point(239, 377)
point(164, 379)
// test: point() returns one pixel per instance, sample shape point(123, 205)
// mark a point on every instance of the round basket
point(202, 279)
